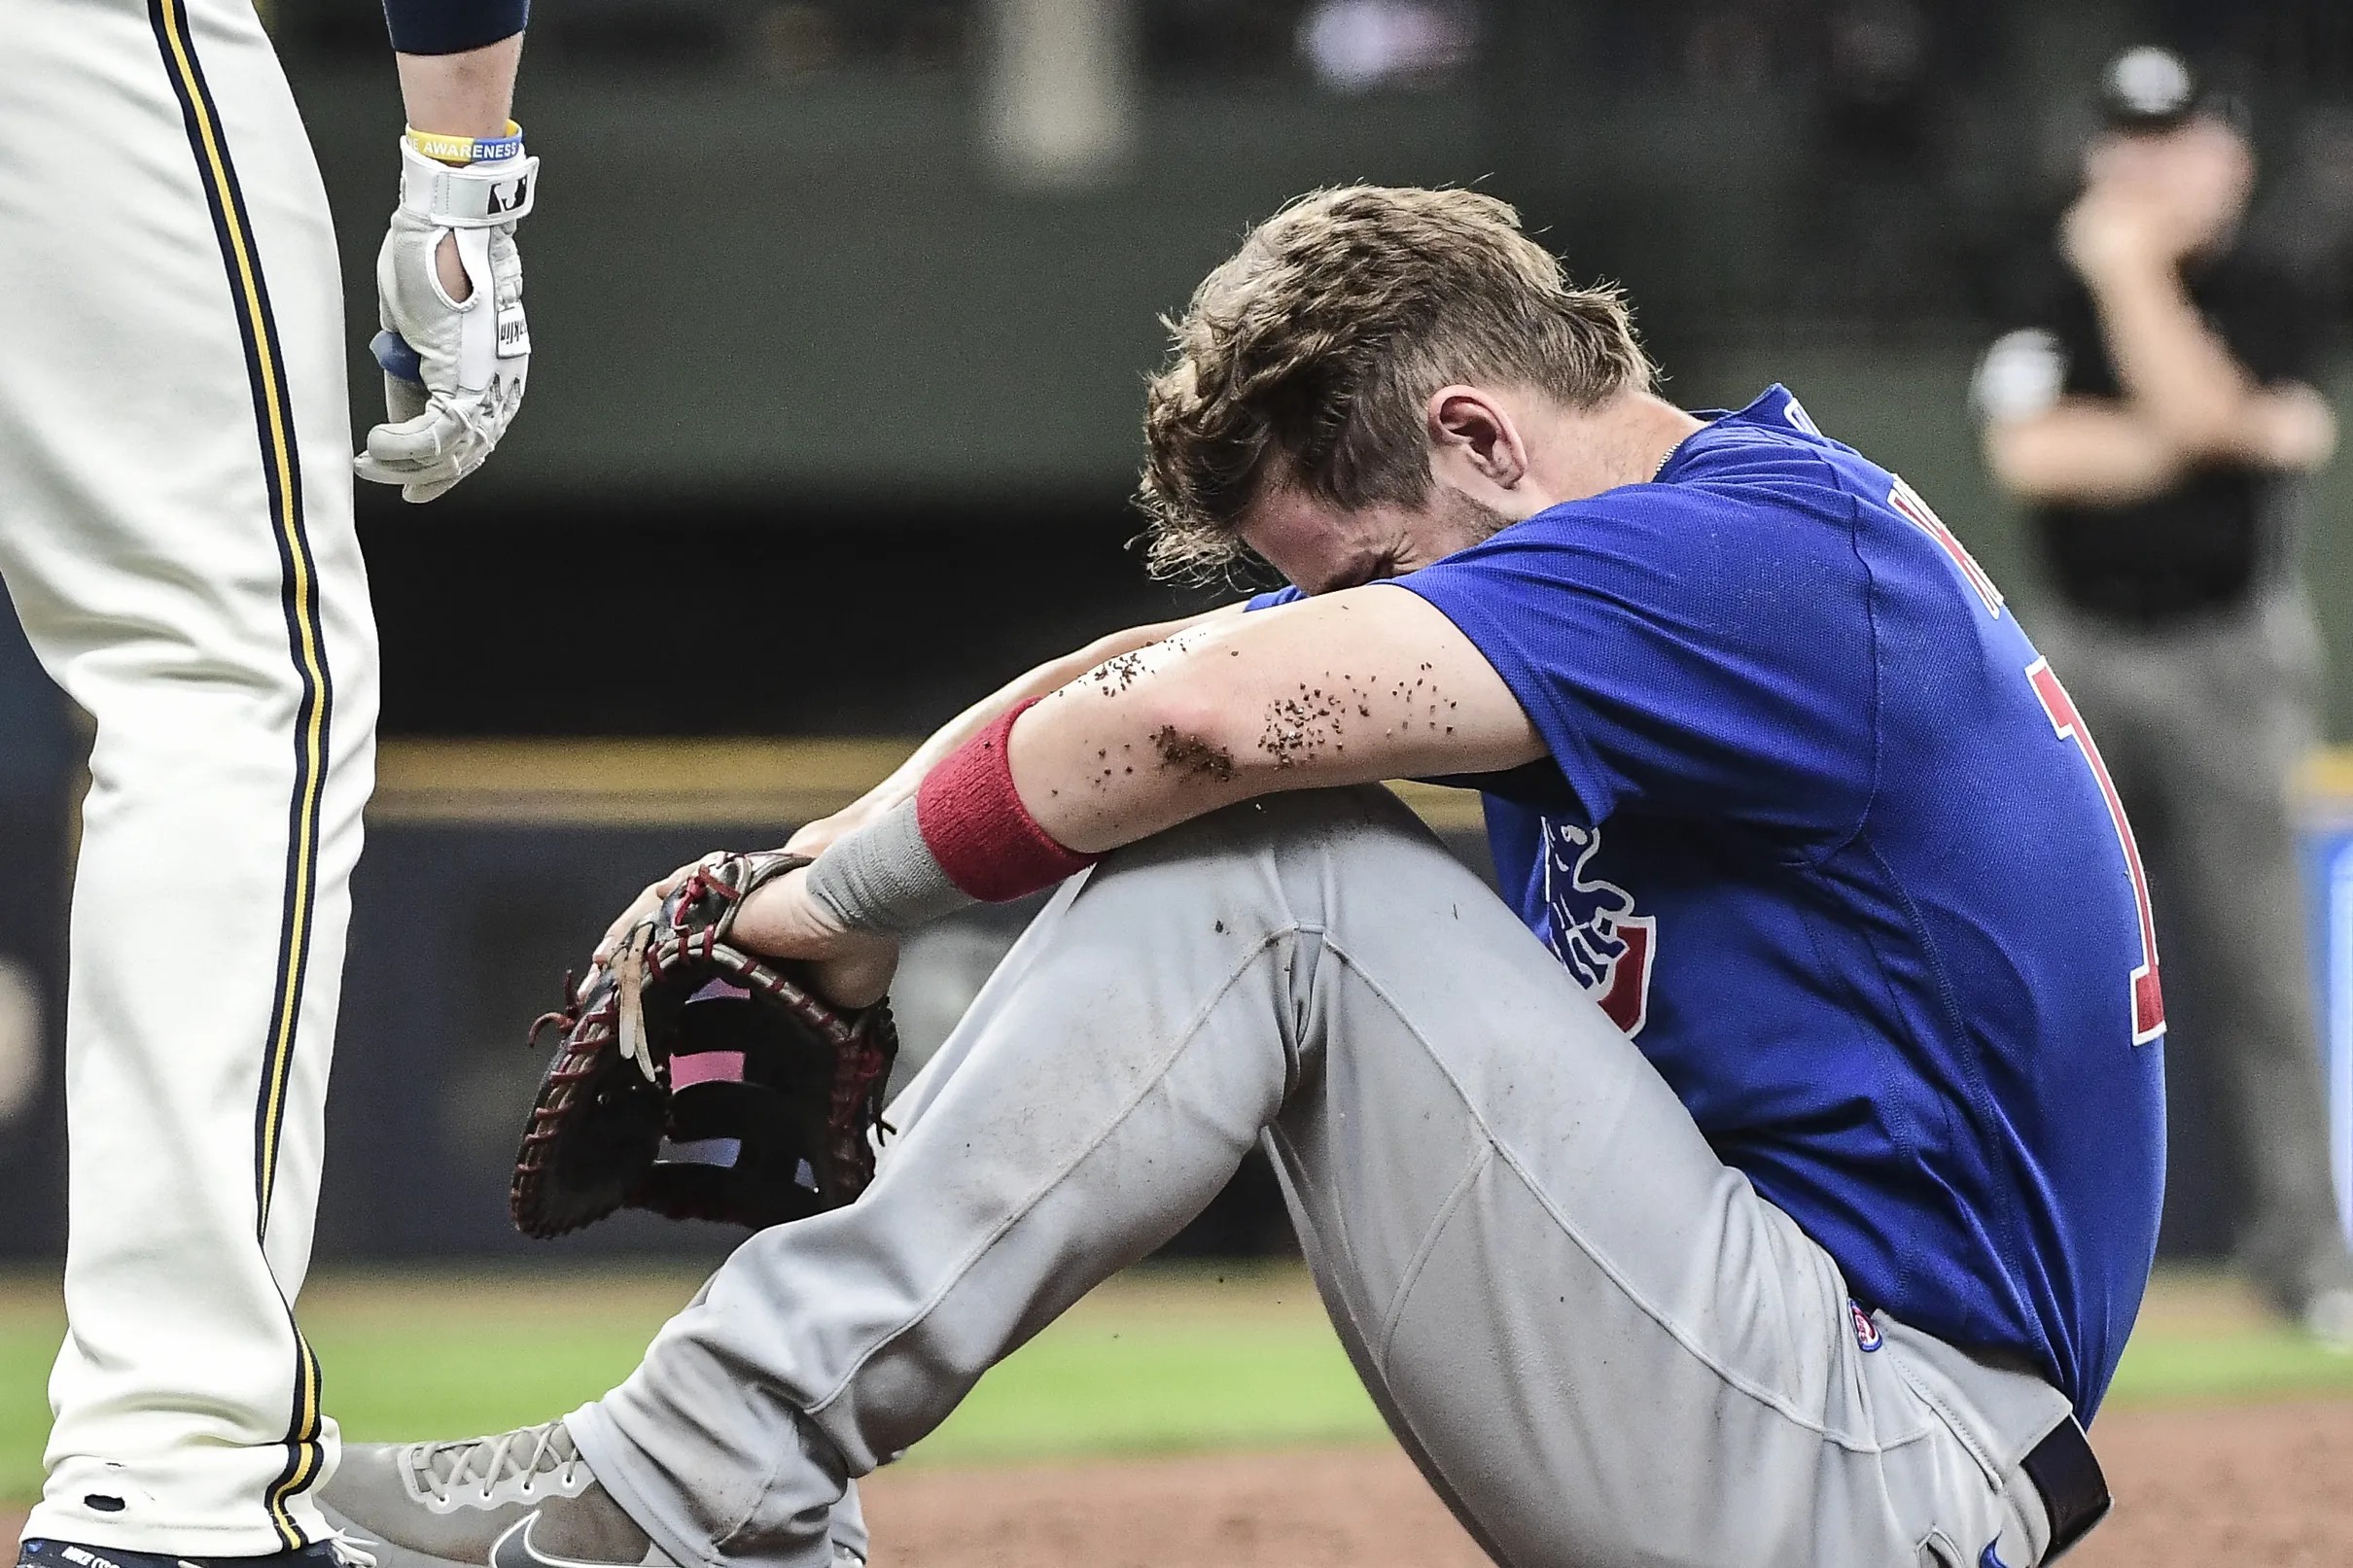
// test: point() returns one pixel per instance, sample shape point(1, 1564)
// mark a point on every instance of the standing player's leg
point(2246, 701)
point(175, 530)
point(1597, 1341)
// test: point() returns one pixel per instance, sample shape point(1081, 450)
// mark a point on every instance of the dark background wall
point(802, 344)
point(832, 418)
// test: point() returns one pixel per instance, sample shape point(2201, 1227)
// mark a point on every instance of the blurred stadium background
point(842, 308)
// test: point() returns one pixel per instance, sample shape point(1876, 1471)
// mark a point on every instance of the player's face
point(1321, 548)
point(2200, 172)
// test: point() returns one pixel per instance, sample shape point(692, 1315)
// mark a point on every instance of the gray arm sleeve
point(883, 878)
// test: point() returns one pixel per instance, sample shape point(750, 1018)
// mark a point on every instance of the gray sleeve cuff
point(883, 878)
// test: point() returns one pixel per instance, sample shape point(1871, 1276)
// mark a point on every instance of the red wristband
point(974, 825)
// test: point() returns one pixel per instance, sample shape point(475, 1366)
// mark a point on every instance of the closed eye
point(1372, 571)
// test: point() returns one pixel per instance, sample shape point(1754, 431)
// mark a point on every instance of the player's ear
point(1470, 427)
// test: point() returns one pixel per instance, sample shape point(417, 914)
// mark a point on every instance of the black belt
point(2074, 1494)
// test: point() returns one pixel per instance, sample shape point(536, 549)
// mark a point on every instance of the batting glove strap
point(471, 195)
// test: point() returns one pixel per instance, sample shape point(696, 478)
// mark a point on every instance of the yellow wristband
point(468, 149)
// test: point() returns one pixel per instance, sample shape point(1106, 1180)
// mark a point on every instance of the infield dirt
point(2249, 1487)
point(2260, 1487)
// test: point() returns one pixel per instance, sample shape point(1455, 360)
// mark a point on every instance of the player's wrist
point(882, 878)
point(2129, 267)
point(458, 149)
point(965, 838)
point(490, 194)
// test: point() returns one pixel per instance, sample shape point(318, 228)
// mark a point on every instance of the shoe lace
point(441, 1470)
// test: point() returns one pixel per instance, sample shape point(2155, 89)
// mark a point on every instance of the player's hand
point(2295, 431)
point(455, 358)
point(779, 920)
point(2114, 227)
point(642, 909)
point(782, 921)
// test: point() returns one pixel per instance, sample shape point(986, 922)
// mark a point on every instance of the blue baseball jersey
point(1822, 832)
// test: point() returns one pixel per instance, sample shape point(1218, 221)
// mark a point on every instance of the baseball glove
point(700, 1081)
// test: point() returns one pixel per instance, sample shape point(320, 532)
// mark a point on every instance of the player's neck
point(1625, 441)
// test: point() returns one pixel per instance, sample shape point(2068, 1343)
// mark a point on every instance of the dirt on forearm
point(1189, 753)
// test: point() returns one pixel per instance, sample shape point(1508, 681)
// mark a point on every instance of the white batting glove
point(454, 371)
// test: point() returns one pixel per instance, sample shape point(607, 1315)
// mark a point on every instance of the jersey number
point(2148, 998)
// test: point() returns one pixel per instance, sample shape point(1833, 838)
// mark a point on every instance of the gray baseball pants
point(1598, 1344)
point(2202, 725)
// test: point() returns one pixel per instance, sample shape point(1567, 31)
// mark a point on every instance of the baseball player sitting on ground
point(1770, 1176)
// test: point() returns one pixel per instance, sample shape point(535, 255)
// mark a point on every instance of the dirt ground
point(2269, 1486)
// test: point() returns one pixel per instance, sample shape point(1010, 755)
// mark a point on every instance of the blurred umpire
point(2157, 417)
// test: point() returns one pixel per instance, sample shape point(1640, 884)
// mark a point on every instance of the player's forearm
point(1347, 689)
point(2083, 453)
point(467, 93)
point(2177, 375)
point(909, 776)
point(1344, 689)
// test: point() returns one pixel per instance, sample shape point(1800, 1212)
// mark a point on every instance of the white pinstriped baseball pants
point(175, 531)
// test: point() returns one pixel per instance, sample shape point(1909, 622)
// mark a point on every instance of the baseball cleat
point(521, 1499)
point(37, 1552)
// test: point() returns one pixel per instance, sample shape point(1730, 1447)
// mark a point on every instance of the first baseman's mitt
point(700, 1081)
